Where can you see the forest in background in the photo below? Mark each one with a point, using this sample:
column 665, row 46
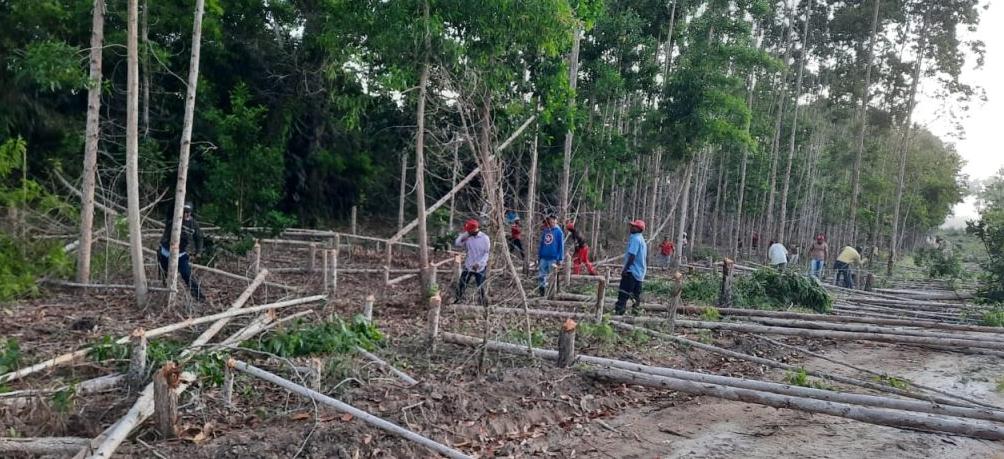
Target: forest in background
column 719, row 119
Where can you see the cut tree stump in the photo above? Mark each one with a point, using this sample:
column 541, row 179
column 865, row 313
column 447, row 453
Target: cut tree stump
column 136, row 376
column 566, row 344
column 165, row 399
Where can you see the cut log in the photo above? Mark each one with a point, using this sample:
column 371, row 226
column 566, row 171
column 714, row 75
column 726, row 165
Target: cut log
column 41, row 446
column 377, row 360
column 872, row 329
column 892, row 418
column 344, row 407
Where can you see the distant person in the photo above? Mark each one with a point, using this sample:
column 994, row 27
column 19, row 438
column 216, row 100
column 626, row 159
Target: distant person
column 817, row 255
column 848, row 256
column 666, row 252
column 580, row 256
column 633, row 274
column 550, row 251
column 516, row 237
column 777, row 255
column 476, row 247
column 793, row 258
column 191, row 235
column 755, row 241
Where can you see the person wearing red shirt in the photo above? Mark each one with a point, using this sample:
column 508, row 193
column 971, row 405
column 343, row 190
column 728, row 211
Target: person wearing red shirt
column 581, row 254
column 516, row 237
column 666, row 251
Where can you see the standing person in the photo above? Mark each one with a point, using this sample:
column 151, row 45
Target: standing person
column 633, row 274
column 848, row 256
column 777, row 255
column 793, row 258
column 190, row 234
column 755, row 241
column 818, row 253
column 516, row 237
column 580, row 256
column 550, row 251
column 476, row 247
column 666, row 252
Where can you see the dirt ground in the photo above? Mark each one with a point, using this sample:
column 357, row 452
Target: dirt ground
column 515, row 407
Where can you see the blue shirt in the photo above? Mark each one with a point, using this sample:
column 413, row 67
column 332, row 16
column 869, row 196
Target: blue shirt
column 637, row 247
column 552, row 244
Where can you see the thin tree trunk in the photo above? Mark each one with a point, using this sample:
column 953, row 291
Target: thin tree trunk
column 145, row 32
column 683, row 215
column 132, row 157
column 531, row 205
column 778, row 117
column 863, row 122
column 186, row 146
column 423, row 235
column 453, row 183
column 904, row 146
column 794, row 127
column 404, row 189
column 93, row 134
column 739, row 233
column 573, row 73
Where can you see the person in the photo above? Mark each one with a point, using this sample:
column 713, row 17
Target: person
column 550, row 251
column 476, row 247
column 777, row 255
column 191, row 238
column 818, row 253
column 666, row 252
column 755, row 241
column 848, row 256
column 633, row 274
column 793, row 258
column 580, row 255
column 516, row 237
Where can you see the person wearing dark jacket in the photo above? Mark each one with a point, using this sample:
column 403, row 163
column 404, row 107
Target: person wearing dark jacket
column 580, row 255
column 191, row 243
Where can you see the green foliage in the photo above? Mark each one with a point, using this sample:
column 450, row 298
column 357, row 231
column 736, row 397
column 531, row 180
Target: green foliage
column 801, row 378
column 993, row 317
column 710, row 313
column 537, row 337
column 331, row 336
column 769, row 288
column 23, row 263
column 990, row 231
column 10, row 355
column 52, row 66
column 892, row 381
column 107, row 349
column 602, row 333
column 64, row 400
column 940, row 263
column 705, row 253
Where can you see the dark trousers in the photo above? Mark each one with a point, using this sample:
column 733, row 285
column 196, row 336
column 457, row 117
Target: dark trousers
column 629, row 288
column 185, row 269
column 516, row 245
column 465, row 278
column 843, row 271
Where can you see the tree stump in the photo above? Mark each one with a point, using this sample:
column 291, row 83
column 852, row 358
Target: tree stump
column 435, row 304
column 869, row 282
column 136, row 377
column 228, row 387
column 566, row 344
column 353, row 225
column 674, row 304
column 368, row 308
column 256, row 268
column 334, row 266
column 725, row 293
column 324, row 268
column 601, row 291
column 165, row 399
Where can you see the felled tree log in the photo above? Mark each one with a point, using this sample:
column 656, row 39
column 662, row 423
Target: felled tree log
column 41, row 446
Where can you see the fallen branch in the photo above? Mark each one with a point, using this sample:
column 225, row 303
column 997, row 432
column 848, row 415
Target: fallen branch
column 338, row 405
column 377, row 360
column 41, row 446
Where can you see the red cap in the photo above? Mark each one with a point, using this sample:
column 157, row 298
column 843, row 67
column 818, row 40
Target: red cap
column 640, row 224
column 569, row 225
column 471, row 225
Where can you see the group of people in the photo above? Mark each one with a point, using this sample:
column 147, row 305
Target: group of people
column 779, row 258
column 550, row 255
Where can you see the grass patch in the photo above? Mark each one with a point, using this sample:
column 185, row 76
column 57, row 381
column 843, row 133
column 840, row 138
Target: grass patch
column 537, row 337
column 892, row 381
column 801, row 378
column 711, row 314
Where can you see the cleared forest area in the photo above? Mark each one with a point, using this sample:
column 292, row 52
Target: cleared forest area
column 490, row 228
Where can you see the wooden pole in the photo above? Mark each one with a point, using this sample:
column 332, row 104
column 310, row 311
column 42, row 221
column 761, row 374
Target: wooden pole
column 334, row 264
column 368, row 307
column 353, row 228
column 136, row 377
column 256, row 268
column 313, row 257
column 325, row 254
column 601, row 291
column 566, row 344
column 725, row 293
column 165, row 399
column 340, row 406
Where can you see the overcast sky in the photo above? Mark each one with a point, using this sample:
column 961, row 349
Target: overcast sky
column 982, row 147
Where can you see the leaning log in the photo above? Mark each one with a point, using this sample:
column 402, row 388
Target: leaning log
column 344, row 407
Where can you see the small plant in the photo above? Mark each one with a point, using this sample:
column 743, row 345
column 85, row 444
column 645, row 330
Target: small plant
column 10, row 355
column 892, row 381
column 331, row 336
column 711, row 314
column 801, row 378
column 705, row 337
column 107, row 349
column 64, row 400
column 602, row 332
column 537, row 337
column 639, row 337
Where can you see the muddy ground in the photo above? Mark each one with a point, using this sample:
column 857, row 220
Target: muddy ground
column 510, row 407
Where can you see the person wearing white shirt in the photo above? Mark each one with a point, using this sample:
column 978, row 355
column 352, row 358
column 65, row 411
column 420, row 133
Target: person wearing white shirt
column 477, row 246
column 777, row 254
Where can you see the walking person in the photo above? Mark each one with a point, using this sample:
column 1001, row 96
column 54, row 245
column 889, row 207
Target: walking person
column 817, row 254
column 777, row 255
column 580, row 255
column 666, row 252
column 476, row 247
column 550, row 251
column 633, row 274
column 516, row 237
column 848, row 256
column 191, row 234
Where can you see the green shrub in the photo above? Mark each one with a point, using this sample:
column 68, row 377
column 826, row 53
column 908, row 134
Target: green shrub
column 10, row 355
column 892, row 381
column 711, row 313
column 771, row 288
column 602, row 332
column 801, row 378
column 333, row 335
column 705, row 253
column 537, row 337
column 23, row 263
column 993, row 317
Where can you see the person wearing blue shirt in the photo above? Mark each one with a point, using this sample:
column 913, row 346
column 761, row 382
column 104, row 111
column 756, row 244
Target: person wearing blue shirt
column 634, row 269
column 551, row 251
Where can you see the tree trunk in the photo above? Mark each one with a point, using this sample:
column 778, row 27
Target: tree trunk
column 145, row 32
column 403, row 191
column 425, row 276
column 186, row 146
column 683, row 215
column 453, row 183
column 93, row 134
column 904, row 146
column 573, row 73
column 739, row 232
column 531, row 203
column 132, row 157
column 778, row 117
column 794, row 128
column 863, row 122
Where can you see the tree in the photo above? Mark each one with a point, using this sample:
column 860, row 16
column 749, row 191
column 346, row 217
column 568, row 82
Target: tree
column 91, row 146
column 132, row 158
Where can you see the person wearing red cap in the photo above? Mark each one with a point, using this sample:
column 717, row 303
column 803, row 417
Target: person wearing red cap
column 477, row 246
column 581, row 254
column 818, row 252
column 633, row 274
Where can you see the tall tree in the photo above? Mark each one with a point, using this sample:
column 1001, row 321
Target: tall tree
column 863, row 120
column 132, row 157
column 93, row 134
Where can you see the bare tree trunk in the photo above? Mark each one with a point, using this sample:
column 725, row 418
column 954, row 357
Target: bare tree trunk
column 404, row 189
column 794, row 126
column 720, row 195
column 683, row 215
column 531, row 205
column 186, row 146
column 654, row 199
column 145, row 32
column 93, row 133
column 863, row 122
column 904, row 146
column 423, row 235
column 573, row 73
column 453, row 183
column 778, row 117
column 132, row 157
column 739, row 233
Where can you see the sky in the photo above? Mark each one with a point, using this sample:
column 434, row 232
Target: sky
column 981, row 147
